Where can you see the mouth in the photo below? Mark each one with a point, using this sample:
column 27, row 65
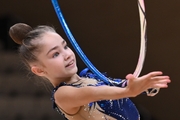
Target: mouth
column 71, row 63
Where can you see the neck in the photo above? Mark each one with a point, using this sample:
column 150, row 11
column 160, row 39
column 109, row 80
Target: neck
column 68, row 80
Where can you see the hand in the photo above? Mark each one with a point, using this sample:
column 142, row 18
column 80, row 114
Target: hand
column 151, row 80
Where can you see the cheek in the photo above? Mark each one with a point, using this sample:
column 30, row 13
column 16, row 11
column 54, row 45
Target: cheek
column 53, row 65
column 56, row 64
column 73, row 54
column 55, row 69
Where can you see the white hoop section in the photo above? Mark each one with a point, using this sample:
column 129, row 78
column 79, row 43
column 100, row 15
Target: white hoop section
column 143, row 46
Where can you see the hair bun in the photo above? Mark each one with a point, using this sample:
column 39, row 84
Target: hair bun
column 18, row 32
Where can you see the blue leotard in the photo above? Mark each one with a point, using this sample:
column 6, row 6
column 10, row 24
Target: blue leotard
column 122, row 109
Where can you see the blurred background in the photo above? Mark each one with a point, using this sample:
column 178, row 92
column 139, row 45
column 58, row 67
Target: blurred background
column 109, row 34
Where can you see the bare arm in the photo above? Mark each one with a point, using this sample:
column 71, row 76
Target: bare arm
column 74, row 97
column 68, row 97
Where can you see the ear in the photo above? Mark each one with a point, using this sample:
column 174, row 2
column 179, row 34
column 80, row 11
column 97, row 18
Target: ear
column 37, row 70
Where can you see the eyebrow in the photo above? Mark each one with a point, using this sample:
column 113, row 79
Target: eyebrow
column 54, row 48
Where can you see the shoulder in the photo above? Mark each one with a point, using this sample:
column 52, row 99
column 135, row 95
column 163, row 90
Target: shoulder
column 63, row 91
column 63, row 98
column 69, row 90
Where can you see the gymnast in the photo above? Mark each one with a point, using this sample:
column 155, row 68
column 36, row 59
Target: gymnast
column 84, row 96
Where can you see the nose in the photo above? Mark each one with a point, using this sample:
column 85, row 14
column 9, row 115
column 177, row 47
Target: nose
column 66, row 55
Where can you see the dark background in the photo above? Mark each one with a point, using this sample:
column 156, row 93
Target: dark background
column 109, row 34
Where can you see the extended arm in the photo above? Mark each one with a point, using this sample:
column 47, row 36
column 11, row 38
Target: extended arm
column 68, row 97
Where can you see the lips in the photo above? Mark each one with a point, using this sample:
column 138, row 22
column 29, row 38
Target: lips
column 70, row 63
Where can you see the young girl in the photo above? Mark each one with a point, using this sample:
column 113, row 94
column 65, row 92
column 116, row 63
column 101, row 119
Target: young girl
column 47, row 55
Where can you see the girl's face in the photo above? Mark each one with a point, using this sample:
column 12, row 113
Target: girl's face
column 58, row 59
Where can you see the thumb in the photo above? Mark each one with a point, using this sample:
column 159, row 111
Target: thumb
column 130, row 77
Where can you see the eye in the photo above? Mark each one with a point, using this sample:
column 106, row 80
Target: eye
column 66, row 47
column 55, row 54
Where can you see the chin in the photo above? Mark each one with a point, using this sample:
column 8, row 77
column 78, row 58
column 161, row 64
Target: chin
column 74, row 70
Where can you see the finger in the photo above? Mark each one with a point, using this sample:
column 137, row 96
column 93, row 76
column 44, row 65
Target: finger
column 130, row 77
column 164, row 81
column 156, row 73
column 159, row 77
column 152, row 74
column 160, row 86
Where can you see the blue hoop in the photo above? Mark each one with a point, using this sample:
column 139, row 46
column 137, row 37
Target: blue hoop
column 74, row 43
